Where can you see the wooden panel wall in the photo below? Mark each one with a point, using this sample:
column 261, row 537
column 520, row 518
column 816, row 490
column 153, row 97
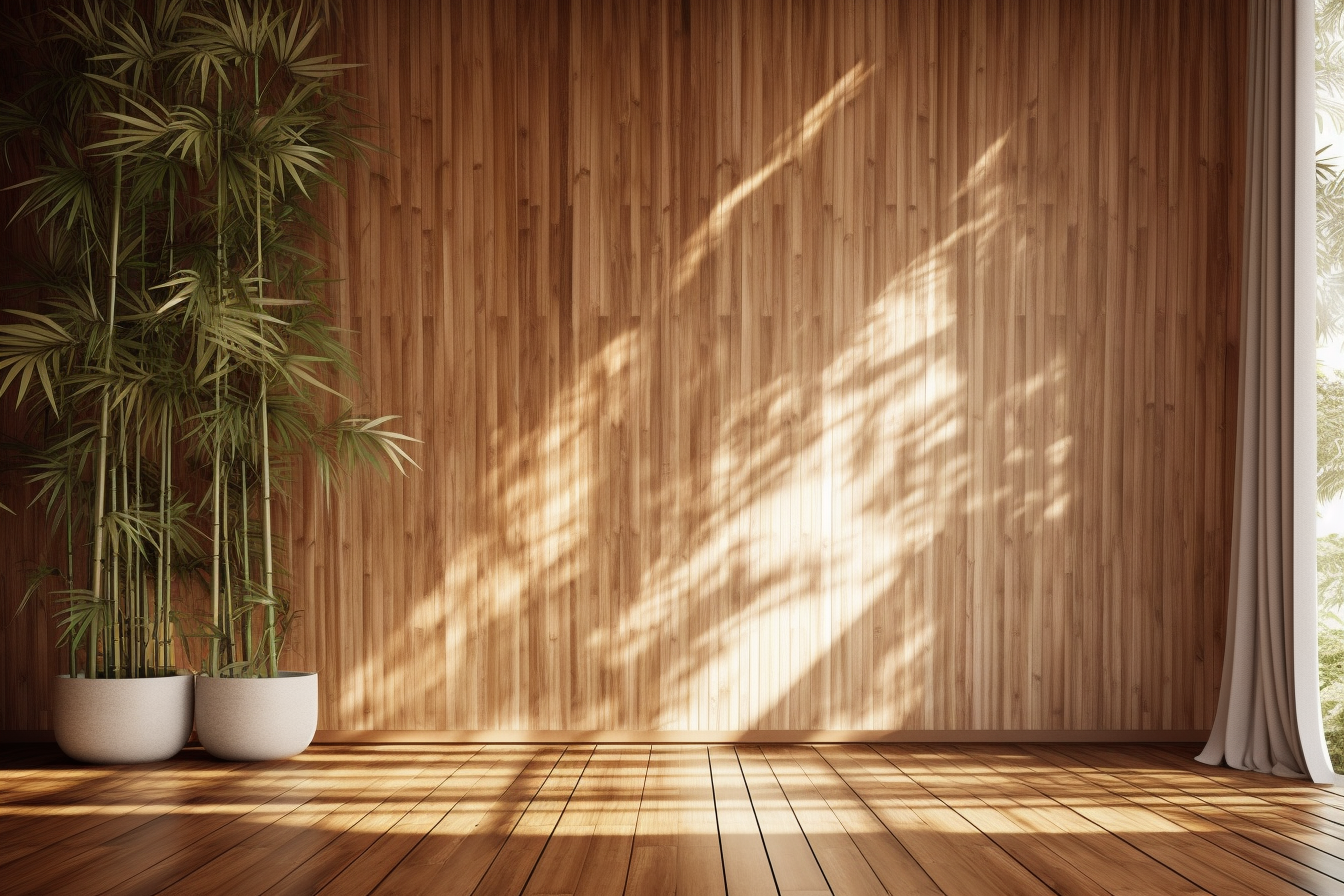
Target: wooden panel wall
column 784, row 365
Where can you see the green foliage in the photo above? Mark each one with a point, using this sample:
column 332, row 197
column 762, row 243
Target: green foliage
column 1330, row 385
column 181, row 345
column 1330, row 642
column 1329, row 183
column 1330, row 579
column 1329, row 435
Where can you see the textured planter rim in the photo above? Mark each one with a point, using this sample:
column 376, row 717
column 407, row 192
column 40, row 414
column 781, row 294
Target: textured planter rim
column 113, row 721
column 256, row 719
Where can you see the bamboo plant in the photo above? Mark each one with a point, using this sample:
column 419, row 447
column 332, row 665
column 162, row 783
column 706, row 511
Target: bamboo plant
column 182, row 358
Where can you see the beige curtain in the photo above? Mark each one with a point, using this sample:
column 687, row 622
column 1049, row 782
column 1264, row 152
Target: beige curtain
column 1267, row 700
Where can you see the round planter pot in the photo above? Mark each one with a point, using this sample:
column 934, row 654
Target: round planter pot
column 255, row 719
column 117, row 720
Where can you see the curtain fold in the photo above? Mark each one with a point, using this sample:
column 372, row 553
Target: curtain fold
column 1262, row 705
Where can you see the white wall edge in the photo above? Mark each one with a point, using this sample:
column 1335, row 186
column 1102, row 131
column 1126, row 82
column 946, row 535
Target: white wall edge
column 1306, row 668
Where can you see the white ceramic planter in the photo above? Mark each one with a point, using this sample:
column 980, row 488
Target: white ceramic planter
column 255, row 719
column 117, row 720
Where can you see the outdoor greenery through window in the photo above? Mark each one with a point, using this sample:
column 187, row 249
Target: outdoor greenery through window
column 1330, row 366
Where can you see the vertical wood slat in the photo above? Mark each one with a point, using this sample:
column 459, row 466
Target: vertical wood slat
column 754, row 397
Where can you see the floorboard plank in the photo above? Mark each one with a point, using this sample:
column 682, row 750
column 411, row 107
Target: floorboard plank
column 273, row 850
column 596, row 830
column 891, row 862
column 58, row 809
column 957, row 856
column 509, row 872
column 1270, row 787
column 746, row 868
column 616, row 811
column 1055, row 847
column 456, row 853
column 349, row 844
column 1302, row 817
column 699, row 852
column 796, row 868
column 1119, row 866
column 1274, row 843
column 150, row 826
column 847, row 871
column 1207, row 863
column 382, row 857
column 653, row 855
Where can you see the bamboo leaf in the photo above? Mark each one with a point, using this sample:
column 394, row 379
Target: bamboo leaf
column 187, row 284
column 32, row 348
column 80, row 611
column 33, row 585
column 59, row 189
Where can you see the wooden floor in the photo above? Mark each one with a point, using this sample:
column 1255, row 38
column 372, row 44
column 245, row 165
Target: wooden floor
column 922, row 819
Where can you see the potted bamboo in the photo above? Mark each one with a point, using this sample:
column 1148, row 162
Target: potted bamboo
column 101, row 380
column 222, row 121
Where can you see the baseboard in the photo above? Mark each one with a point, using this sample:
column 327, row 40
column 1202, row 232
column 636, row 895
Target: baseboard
column 338, row 736
column 350, row 736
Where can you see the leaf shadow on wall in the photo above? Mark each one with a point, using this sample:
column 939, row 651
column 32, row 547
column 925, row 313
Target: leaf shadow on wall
column 750, row 509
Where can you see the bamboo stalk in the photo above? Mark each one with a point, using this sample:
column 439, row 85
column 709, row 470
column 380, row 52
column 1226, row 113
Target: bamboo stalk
column 100, row 486
column 227, row 613
column 246, row 619
column 268, row 562
column 126, row 613
column 139, row 628
column 99, row 506
column 161, row 568
column 167, row 609
column 133, row 590
column 70, row 534
column 115, row 579
column 138, row 617
column 215, row 536
column 268, row 565
column 219, row 295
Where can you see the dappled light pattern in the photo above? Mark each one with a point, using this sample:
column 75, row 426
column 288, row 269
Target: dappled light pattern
column 857, row 367
column 746, row 616
column 788, row 149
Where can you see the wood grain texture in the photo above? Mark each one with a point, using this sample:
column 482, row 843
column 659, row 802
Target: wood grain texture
column 735, row 821
column 801, row 366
